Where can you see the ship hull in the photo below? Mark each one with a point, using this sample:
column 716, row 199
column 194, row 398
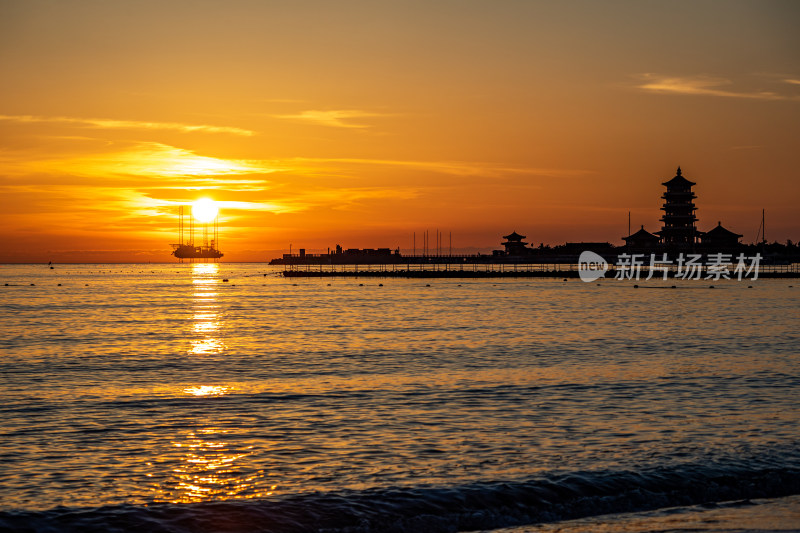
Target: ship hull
column 196, row 252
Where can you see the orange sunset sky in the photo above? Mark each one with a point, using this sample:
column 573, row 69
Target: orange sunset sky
column 358, row 123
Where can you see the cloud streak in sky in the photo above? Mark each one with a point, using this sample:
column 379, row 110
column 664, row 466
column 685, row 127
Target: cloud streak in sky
column 129, row 124
column 337, row 118
column 456, row 168
column 150, row 160
column 705, row 86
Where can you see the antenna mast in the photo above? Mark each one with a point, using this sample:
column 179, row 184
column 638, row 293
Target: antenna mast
column 191, row 230
column 216, row 233
column 180, row 224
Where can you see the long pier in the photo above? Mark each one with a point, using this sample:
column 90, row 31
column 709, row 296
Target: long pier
column 431, row 273
column 513, row 270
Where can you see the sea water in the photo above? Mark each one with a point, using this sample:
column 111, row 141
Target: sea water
column 224, row 397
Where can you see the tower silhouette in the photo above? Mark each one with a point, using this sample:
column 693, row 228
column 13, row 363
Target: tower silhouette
column 679, row 228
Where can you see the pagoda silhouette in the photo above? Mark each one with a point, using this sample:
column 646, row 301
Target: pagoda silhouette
column 514, row 245
column 679, row 231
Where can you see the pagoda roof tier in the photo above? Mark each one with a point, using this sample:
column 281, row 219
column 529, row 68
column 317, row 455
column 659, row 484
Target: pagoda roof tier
column 678, row 194
column 514, row 236
column 719, row 231
column 641, row 235
column 688, row 230
column 678, row 180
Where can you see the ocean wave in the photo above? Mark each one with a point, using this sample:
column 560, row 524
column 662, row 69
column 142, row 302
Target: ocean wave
column 475, row 506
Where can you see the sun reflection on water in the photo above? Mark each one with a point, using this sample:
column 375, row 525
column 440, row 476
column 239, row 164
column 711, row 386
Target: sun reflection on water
column 211, row 466
column 207, row 390
column 205, row 306
column 209, row 463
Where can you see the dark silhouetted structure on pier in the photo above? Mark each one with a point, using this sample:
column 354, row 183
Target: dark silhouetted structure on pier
column 514, row 244
column 679, row 234
column 641, row 241
column 679, row 229
column 340, row 256
column 720, row 239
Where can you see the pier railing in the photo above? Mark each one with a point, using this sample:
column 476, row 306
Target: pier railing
column 529, row 269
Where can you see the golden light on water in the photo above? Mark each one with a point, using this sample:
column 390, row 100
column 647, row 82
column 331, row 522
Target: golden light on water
column 206, row 346
column 454, row 136
column 204, row 273
column 210, row 466
column 205, row 323
column 205, row 310
column 207, row 463
column 207, row 390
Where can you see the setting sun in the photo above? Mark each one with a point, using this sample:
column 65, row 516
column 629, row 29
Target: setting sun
column 205, row 210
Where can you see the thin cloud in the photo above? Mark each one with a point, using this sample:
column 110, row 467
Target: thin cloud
column 792, row 82
column 130, row 124
column 458, row 168
column 337, row 118
column 117, row 204
column 283, row 101
column 746, row 147
column 147, row 176
column 339, row 198
column 152, row 160
column 703, row 85
column 145, row 201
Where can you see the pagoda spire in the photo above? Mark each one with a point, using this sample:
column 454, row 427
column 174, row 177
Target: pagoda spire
column 679, row 170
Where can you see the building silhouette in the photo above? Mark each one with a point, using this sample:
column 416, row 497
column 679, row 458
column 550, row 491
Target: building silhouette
column 514, row 244
column 678, row 235
column 642, row 240
column 720, row 239
column 679, row 230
